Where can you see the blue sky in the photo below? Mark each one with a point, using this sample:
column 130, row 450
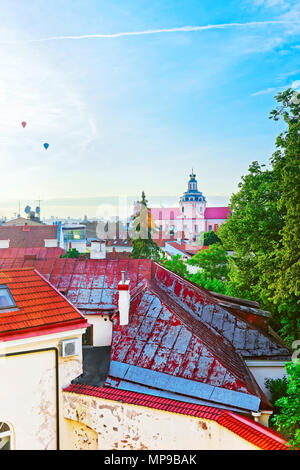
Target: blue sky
column 137, row 112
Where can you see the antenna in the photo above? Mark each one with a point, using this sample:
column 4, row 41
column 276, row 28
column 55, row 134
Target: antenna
column 38, row 209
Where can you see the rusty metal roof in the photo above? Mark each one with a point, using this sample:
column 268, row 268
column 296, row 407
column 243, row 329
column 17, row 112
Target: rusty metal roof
column 92, row 284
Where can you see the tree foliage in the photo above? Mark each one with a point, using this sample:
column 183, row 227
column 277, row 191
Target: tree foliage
column 213, row 261
column 210, row 238
column 177, row 265
column 213, row 272
column 287, row 420
column 73, row 253
column 141, row 234
column 263, row 230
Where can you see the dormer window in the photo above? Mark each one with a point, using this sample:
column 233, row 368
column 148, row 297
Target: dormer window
column 6, row 299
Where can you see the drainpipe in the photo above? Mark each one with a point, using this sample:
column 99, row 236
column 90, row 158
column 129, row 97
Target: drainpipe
column 32, row 351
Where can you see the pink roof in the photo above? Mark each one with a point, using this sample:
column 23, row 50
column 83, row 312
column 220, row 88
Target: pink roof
column 165, row 213
column 216, row 212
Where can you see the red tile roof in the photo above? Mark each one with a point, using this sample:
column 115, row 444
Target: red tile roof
column 34, row 253
column 28, row 236
column 117, row 255
column 41, row 309
column 186, row 248
column 253, row 432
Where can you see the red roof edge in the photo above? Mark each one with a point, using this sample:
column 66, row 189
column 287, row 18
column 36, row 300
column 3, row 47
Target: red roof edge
column 255, row 433
column 43, row 330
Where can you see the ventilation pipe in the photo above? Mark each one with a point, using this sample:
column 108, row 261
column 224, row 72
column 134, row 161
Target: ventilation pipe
column 124, row 300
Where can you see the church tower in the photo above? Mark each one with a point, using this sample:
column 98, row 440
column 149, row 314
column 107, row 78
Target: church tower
column 192, row 208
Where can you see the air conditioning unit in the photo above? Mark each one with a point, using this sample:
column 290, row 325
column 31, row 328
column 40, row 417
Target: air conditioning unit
column 69, row 347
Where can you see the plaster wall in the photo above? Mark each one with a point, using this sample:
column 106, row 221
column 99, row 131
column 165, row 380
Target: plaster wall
column 28, row 390
column 102, row 329
column 122, row 426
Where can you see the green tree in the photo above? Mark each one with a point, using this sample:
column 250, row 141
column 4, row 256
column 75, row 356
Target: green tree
column 210, row 238
column 278, row 389
column 213, row 272
column 263, row 230
column 213, row 261
column 286, row 164
column 287, row 420
column 73, row 253
column 141, row 234
column 176, row 265
column 212, row 284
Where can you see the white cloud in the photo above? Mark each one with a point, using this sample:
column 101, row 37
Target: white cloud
column 264, row 92
column 271, row 3
column 296, row 85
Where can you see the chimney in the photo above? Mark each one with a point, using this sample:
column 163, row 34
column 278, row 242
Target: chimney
column 124, row 300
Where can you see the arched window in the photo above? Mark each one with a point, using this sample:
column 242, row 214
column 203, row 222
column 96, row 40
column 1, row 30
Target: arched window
column 5, row 436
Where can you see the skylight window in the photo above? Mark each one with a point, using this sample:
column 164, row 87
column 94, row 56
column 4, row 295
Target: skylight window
column 6, row 299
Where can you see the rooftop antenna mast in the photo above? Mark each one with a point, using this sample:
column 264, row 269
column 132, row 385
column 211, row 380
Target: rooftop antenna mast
column 38, row 208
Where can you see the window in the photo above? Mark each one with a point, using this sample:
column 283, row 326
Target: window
column 160, row 228
column 6, row 299
column 210, row 228
column 196, row 228
column 182, row 209
column 5, row 436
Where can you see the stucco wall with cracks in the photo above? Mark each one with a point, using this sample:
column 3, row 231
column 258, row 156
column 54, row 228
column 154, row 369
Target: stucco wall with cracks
column 124, row 426
column 28, row 392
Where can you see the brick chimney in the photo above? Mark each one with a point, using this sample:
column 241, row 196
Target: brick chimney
column 124, row 300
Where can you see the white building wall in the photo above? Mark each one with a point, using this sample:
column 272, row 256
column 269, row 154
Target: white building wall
column 79, row 245
column 266, row 370
column 123, row 426
column 28, row 389
column 51, row 243
column 102, row 329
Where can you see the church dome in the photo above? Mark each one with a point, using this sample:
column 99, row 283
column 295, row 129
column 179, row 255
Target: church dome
column 192, row 194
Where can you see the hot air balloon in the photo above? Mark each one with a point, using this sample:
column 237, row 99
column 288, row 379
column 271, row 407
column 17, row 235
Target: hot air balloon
column 23, row 123
column 46, row 146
